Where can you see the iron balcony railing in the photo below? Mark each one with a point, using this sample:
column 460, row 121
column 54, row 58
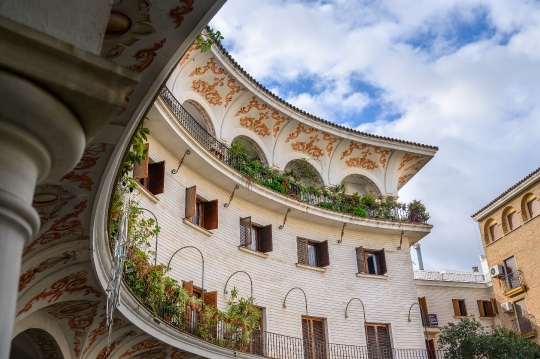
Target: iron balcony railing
column 524, row 324
column 232, row 159
column 513, row 280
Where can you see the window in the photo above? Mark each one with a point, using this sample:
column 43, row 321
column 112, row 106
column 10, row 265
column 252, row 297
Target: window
column 314, row 338
column 512, row 220
column 494, row 231
column 202, row 213
column 522, row 322
column 485, row 308
column 371, row 261
column 512, row 274
column 313, row 254
column 254, row 237
column 149, row 174
column 192, row 315
column 256, row 343
column 533, row 207
column 378, row 341
column 460, row 309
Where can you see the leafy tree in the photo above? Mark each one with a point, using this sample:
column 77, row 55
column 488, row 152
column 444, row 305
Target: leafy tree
column 468, row 339
column 211, row 37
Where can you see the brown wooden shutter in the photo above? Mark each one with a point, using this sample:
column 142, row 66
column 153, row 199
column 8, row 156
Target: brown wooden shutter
column 455, row 304
column 360, row 260
column 382, row 261
column 423, row 305
column 481, row 308
column 141, row 170
column 156, row 177
column 494, row 306
column 191, row 201
column 301, row 244
column 318, row 331
column 188, row 286
column 383, row 339
column 210, row 298
column 245, row 231
column 371, row 337
column 534, row 207
column 265, row 239
column 513, row 221
column 323, row 257
column 210, row 214
column 491, row 312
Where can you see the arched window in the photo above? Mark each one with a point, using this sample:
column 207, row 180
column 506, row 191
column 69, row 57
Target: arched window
column 244, row 144
column 491, row 231
column 510, row 219
column 305, row 173
column 361, row 185
column 530, row 207
column 200, row 115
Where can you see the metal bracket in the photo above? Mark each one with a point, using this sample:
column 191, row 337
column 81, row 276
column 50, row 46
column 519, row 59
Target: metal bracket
column 400, row 241
column 175, row 171
column 342, row 232
column 232, row 196
column 285, row 219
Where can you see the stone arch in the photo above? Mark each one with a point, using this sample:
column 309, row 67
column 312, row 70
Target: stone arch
column 510, row 219
column 301, row 166
column 252, row 146
column 35, row 343
column 372, row 178
column 197, row 111
column 530, row 206
column 362, row 185
column 491, row 231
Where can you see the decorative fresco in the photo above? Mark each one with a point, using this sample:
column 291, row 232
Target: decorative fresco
column 49, row 199
column 256, row 126
column 28, row 276
column 102, row 329
column 177, row 14
column 186, row 56
column 365, row 162
column 108, row 350
column 331, row 141
column 308, row 147
column 88, row 160
column 410, row 164
column 45, row 343
column 149, row 343
column 147, row 56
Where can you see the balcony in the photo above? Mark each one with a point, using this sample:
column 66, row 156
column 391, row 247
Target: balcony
column 256, row 174
column 513, row 284
column 525, row 325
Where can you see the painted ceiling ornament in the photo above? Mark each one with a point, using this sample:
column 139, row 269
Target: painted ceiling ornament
column 208, row 91
column 210, row 65
column 120, row 248
column 45, row 343
column 49, row 199
column 149, row 343
column 309, row 147
column 403, row 179
column 177, row 14
column 408, row 158
column 186, row 56
column 330, row 145
column 28, row 276
column 231, row 83
column 256, row 126
column 383, row 152
column 147, row 56
column 253, row 103
column 362, row 162
column 129, row 21
column 353, row 146
column 278, row 120
column 99, row 331
column 106, row 352
column 301, row 129
column 414, row 166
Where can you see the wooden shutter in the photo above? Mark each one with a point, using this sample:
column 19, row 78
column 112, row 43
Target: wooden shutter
column 141, row 170
column 323, row 257
column 491, row 312
column 382, row 261
column 533, row 207
column 265, row 239
column 191, row 201
column 210, row 298
column 494, row 306
column 245, row 231
column 455, row 304
column 156, row 177
column 481, row 308
column 360, row 260
column 513, row 221
column 188, row 286
column 301, row 245
column 210, row 214
column 383, row 339
column 423, row 305
column 371, row 337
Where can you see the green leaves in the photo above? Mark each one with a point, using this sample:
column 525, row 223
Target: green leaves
column 138, row 149
column 210, row 37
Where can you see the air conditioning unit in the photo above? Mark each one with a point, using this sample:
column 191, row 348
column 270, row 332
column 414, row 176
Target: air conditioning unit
column 497, row 271
column 507, row 307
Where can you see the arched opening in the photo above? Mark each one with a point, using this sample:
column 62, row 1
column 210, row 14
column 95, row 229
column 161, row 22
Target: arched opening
column 200, row 115
column 361, row 185
column 491, row 231
column 244, row 144
column 35, row 344
column 304, row 172
column 510, row 219
column 530, row 207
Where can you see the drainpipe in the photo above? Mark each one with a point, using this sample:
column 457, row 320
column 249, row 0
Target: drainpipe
column 416, row 247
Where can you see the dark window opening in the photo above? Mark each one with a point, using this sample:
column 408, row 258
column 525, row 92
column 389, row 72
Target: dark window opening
column 200, row 212
column 460, row 309
column 255, row 237
column 150, row 174
column 313, row 254
column 370, row 261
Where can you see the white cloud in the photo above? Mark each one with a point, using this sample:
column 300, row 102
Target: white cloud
column 477, row 102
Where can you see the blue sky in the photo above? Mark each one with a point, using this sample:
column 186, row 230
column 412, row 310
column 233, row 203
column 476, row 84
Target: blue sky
column 463, row 75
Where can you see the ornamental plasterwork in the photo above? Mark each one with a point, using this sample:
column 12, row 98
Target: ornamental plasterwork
column 409, row 163
column 330, row 145
column 403, row 179
column 249, row 122
column 208, row 91
column 193, row 47
column 408, row 158
column 300, row 129
column 362, row 162
column 383, row 152
column 256, row 126
column 309, row 147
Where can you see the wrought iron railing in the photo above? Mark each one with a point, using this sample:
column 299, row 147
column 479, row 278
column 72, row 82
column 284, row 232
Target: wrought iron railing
column 449, row 277
column 524, row 324
column 513, row 280
column 227, row 155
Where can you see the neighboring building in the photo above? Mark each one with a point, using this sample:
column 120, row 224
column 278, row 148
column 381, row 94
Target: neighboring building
column 510, row 234
column 447, row 296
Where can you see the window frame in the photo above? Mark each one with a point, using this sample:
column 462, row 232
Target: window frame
column 377, row 266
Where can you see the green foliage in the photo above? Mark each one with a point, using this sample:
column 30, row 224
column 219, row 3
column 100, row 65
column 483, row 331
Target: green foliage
column 210, row 37
column 138, row 149
column 468, row 339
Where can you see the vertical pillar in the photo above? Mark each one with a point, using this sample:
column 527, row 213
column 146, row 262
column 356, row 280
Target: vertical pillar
column 39, row 137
